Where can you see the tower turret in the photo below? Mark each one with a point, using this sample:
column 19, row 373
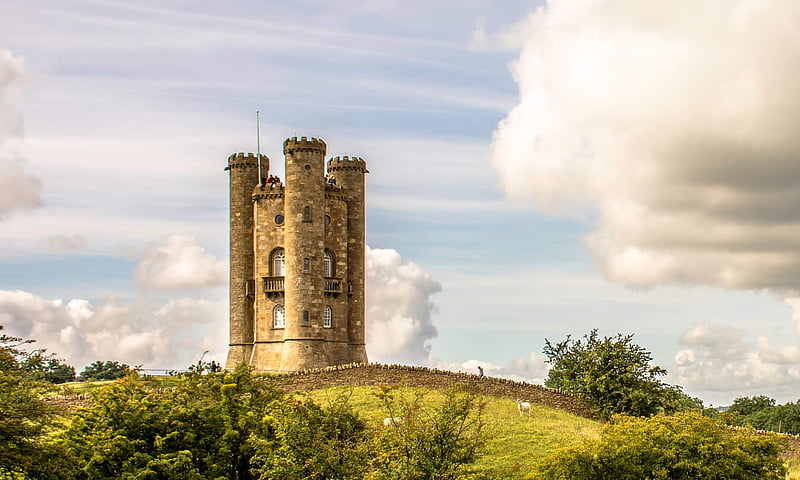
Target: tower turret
column 243, row 170
column 349, row 173
column 304, row 208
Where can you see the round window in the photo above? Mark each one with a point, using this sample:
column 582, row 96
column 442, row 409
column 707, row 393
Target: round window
column 279, row 219
column 327, row 220
column 307, row 166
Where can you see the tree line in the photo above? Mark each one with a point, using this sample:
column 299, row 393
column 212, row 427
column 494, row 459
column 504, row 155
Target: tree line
column 233, row 425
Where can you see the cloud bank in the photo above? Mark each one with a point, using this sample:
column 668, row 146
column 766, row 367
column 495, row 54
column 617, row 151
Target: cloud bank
column 676, row 126
column 171, row 336
column 18, row 189
column 719, row 359
column 399, row 308
column 168, row 333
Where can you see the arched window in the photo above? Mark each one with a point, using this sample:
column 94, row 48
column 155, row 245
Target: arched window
column 278, row 317
column 307, row 214
column 306, row 265
column 327, row 265
column 306, row 319
column 327, row 317
column 278, row 263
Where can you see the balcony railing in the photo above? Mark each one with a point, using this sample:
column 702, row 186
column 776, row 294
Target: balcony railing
column 333, row 285
column 273, row 284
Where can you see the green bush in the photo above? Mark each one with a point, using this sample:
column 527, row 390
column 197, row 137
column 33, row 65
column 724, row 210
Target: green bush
column 429, row 442
column 206, row 428
column 687, row 446
column 26, row 421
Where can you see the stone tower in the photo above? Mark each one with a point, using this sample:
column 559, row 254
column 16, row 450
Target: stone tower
column 297, row 260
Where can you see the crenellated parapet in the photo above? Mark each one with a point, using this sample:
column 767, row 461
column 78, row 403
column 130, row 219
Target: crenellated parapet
column 347, row 163
column 303, row 144
column 246, row 160
column 275, row 193
column 337, row 196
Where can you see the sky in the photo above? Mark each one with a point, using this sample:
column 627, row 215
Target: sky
column 537, row 170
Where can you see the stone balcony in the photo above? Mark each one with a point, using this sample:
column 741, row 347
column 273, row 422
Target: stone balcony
column 333, row 286
column 273, row 284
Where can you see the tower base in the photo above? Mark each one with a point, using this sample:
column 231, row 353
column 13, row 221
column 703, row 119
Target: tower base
column 238, row 354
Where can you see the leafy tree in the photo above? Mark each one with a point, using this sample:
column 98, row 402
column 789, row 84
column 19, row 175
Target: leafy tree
column 613, row 373
column 108, row 370
column 779, row 418
column 34, row 364
column 313, row 442
column 687, row 446
column 750, row 405
column 429, row 442
column 28, row 450
column 47, row 367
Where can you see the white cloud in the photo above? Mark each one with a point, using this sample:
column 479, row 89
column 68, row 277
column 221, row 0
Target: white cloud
column 171, row 336
column 718, row 358
column 721, row 342
column 180, row 262
column 532, row 368
column 676, row 124
column 399, row 308
column 18, row 190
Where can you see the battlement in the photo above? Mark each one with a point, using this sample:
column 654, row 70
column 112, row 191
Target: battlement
column 347, row 163
column 241, row 159
column 304, row 144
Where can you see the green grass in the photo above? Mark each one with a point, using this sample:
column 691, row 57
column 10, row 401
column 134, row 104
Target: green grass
column 513, row 443
column 793, row 467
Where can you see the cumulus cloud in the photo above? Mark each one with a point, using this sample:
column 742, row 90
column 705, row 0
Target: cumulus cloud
column 719, row 359
column 399, row 308
column 179, row 262
column 171, row 336
column 18, row 189
column 677, row 124
column 675, row 127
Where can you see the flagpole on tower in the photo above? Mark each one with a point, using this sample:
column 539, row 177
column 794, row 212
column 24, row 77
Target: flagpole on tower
column 258, row 141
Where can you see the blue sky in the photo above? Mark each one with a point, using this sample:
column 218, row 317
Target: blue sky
column 534, row 174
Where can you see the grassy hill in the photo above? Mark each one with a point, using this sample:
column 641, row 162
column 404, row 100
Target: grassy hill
column 514, row 442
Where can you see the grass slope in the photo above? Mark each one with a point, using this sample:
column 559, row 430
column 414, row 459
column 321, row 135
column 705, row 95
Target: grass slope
column 513, row 444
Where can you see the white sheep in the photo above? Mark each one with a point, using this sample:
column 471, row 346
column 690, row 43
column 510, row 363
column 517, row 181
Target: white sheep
column 523, row 407
column 392, row 421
